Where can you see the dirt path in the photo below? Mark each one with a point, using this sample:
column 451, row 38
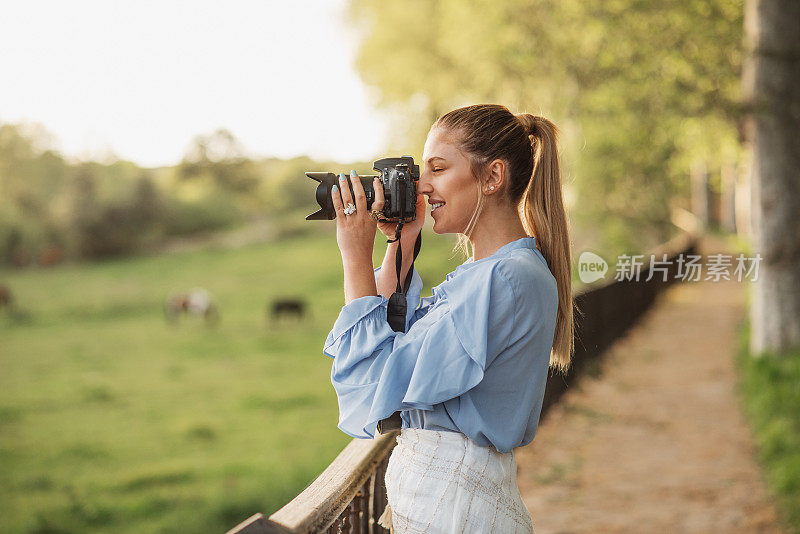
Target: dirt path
column 657, row 442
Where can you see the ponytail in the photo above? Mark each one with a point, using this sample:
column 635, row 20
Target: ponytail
column 543, row 215
column 529, row 146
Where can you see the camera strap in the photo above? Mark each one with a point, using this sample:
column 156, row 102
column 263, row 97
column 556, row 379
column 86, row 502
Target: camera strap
column 397, row 308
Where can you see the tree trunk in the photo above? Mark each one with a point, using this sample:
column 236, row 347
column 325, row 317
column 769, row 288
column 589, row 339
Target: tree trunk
column 727, row 210
column 743, row 198
column 771, row 83
column 701, row 198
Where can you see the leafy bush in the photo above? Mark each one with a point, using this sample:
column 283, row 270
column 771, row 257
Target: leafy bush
column 211, row 212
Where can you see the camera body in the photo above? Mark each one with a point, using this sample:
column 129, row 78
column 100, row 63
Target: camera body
column 399, row 177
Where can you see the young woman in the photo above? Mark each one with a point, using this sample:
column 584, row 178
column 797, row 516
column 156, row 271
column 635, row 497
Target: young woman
column 469, row 373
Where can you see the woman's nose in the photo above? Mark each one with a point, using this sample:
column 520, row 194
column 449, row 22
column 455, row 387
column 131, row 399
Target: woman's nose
column 424, row 186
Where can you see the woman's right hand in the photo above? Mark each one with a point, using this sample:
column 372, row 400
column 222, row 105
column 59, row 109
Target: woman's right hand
column 411, row 228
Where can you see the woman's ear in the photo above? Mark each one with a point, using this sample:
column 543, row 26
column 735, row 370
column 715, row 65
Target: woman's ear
column 496, row 177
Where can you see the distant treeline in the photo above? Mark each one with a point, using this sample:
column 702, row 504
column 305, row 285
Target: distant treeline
column 51, row 209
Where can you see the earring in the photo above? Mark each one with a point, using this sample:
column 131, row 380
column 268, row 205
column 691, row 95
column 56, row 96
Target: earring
column 491, row 188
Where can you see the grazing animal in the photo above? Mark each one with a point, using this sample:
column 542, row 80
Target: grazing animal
column 287, row 307
column 50, row 256
column 6, row 298
column 196, row 302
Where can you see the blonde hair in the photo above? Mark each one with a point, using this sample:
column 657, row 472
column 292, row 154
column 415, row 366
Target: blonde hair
column 529, row 146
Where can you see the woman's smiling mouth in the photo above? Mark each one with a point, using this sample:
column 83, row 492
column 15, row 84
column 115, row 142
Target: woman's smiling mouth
column 436, row 205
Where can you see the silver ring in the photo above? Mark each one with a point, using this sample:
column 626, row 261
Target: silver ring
column 349, row 209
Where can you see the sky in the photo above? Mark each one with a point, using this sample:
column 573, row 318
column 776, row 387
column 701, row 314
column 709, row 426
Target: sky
column 139, row 80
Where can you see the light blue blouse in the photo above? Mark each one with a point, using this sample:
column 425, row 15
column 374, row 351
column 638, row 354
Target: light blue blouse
column 474, row 358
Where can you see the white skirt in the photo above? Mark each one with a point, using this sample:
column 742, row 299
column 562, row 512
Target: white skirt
column 442, row 482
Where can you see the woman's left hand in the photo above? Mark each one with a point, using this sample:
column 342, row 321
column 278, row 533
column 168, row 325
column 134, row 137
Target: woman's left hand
column 355, row 233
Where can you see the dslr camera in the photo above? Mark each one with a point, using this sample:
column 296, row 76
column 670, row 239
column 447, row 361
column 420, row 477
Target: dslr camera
column 398, row 176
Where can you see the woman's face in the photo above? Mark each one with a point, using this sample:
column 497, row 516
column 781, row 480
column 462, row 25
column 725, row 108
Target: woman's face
column 447, row 178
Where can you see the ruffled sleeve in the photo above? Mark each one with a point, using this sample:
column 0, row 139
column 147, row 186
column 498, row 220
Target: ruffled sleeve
column 444, row 353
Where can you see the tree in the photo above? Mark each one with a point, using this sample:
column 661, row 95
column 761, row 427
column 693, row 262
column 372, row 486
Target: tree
column 772, row 87
column 221, row 158
column 32, row 182
column 147, row 205
column 639, row 88
column 84, row 207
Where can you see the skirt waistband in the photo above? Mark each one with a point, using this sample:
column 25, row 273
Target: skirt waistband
column 441, row 436
column 444, row 446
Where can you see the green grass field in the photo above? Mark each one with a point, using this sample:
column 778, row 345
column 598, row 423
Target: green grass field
column 113, row 421
column 770, row 392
